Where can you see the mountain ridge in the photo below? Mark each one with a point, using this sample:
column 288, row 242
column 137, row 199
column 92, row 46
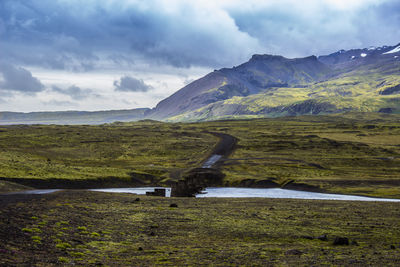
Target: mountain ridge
column 259, row 73
column 346, row 83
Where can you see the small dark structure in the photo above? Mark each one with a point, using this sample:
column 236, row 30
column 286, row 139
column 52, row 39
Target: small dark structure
column 195, row 181
column 159, row 192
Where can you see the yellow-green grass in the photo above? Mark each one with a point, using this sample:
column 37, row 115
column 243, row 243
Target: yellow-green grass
column 90, row 152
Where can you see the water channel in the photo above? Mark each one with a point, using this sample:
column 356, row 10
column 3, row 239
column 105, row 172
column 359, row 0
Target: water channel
column 232, row 192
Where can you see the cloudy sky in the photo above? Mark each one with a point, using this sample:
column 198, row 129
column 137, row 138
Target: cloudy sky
column 123, row 54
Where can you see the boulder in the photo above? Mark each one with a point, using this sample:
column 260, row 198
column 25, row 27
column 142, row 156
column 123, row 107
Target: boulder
column 340, row 241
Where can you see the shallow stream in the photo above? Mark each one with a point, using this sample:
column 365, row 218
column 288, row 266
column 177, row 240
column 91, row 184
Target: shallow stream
column 233, row 192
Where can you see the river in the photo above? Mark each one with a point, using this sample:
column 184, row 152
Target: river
column 232, row 192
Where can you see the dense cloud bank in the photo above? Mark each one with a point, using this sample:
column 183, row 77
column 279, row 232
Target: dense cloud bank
column 77, row 34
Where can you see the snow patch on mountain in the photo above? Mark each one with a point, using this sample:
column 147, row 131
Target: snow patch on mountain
column 394, row 50
column 363, row 55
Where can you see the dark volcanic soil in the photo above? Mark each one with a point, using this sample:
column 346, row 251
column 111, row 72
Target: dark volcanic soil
column 92, row 228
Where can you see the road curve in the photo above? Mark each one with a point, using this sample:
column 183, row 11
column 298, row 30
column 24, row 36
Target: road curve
column 225, row 147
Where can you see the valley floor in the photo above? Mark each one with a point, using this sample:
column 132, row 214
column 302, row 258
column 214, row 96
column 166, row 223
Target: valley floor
column 354, row 153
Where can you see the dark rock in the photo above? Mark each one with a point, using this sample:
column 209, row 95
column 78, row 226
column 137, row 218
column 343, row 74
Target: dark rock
column 152, row 234
column 301, row 186
column 315, row 165
column 392, row 247
column 385, row 110
column 159, row 192
column 294, row 252
column 77, row 241
column 307, row 237
column 391, row 90
column 137, row 199
column 173, row 205
column 267, row 184
column 323, row 237
column 354, row 243
column 339, row 241
column 369, row 127
column 140, row 249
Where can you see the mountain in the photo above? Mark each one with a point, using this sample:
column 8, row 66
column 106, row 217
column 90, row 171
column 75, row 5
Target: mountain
column 362, row 80
column 269, row 86
column 72, row 117
column 260, row 73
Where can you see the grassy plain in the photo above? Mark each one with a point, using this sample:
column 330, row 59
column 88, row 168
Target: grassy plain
column 355, row 153
column 143, row 152
column 103, row 229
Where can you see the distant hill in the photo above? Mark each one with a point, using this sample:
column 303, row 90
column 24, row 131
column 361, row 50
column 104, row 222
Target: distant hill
column 72, row 117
